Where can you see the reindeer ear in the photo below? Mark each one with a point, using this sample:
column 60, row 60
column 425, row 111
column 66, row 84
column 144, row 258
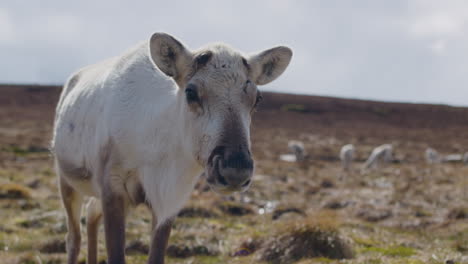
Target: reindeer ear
column 268, row 65
column 169, row 55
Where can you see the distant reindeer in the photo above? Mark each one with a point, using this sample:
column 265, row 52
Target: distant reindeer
column 347, row 156
column 142, row 128
column 465, row 158
column 452, row 158
column 383, row 153
column 297, row 147
column 432, row 156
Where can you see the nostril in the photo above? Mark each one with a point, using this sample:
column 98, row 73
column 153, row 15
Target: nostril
column 246, row 183
column 218, row 151
column 238, row 160
column 222, row 180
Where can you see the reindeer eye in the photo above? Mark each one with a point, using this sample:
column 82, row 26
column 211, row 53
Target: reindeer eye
column 191, row 94
column 203, row 58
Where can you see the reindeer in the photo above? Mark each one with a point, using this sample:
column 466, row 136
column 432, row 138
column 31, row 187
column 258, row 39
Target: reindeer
column 297, row 148
column 382, row 153
column 143, row 127
column 432, row 156
column 347, row 156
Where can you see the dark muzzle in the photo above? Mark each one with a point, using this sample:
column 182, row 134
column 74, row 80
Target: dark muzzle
column 231, row 168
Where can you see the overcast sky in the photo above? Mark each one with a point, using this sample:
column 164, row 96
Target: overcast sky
column 412, row 51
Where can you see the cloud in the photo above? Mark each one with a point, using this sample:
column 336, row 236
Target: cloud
column 6, row 27
column 393, row 50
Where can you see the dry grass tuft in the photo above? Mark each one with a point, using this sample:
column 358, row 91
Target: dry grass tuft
column 14, row 191
column 317, row 236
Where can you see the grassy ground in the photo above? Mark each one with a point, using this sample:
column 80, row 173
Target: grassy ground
column 308, row 212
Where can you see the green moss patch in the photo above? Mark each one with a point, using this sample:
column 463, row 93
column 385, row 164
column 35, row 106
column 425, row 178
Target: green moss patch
column 398, row 251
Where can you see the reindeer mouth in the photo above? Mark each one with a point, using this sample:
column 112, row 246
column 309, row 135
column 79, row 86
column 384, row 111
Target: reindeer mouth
column 213, row 173
column 217, row 181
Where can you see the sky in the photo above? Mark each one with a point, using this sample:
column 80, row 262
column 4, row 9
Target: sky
column 408, row 51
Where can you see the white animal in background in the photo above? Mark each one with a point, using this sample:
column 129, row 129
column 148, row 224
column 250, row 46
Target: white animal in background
column 383, row 153
column 465, row 158
column 347, row 156
column 142, row 128
column 453, row 158
column 432, row 156
column 297, row 147
column 298, row 150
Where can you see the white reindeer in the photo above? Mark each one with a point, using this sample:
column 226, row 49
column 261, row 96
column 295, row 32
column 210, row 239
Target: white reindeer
column 452, row 158
column 380, row 154
column 432, row 156
column 142, row 128
column 347, row 156
column 297, row 147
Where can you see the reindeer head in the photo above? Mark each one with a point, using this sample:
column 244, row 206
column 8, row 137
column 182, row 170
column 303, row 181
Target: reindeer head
column 218, row 94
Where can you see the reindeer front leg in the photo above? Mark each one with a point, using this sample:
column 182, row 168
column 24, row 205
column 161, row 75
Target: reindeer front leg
column 159, row 240
column 113, row 208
